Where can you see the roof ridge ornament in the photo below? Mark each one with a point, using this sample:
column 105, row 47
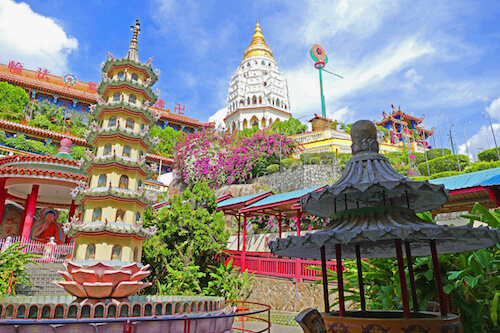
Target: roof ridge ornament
column 132, row 50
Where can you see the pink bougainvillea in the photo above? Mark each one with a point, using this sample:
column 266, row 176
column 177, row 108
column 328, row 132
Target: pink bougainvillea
column 224, row 159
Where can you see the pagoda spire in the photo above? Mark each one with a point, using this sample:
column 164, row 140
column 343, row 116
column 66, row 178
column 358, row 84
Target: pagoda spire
column 258, row 36
column 132, row 50
column 258, row 46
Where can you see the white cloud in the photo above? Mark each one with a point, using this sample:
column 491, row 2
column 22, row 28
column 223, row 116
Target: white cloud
column 358, row 74
column 33, row 39
column 413, row 79
column 218, row 118
column 483, row 139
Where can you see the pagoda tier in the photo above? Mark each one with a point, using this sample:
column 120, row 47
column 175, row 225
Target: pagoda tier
column 114, row 199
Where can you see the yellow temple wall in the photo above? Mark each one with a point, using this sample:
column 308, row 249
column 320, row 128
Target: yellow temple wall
column 110, row 208
column 122, row 118
column 140, row 96
column 135, row 147
column 114, row 74
column 113, row 175
column 104, row 247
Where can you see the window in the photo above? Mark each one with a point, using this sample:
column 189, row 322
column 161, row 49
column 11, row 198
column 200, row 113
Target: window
column 132, row 98
column 107, row 149
column 139, row 184
column 116, row 253
column 121, row 75
column 126, row 151
column 123, row 181
column 137, row 217
column 112, row 121
column 141, row 154
column 135, row 77
column 120, row 213
column 90, row 254
column 116, row 97
column 96, row 216
column 102, row 180
column 130, row 123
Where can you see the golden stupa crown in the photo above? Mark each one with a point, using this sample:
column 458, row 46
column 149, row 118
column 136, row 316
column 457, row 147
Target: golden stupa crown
column 258, row 46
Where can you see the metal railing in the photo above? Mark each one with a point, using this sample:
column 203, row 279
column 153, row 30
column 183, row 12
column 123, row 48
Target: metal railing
column 269, row 265
column 49, row 253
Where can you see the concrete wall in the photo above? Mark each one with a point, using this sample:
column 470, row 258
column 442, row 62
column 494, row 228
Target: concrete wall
column 303, row 176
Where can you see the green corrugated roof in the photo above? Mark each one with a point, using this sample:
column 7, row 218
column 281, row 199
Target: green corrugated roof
column 240, row 200
column 467, row 180
column 277, row 198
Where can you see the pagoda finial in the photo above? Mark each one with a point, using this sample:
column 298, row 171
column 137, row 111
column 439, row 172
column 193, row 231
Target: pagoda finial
column 132, row 50
column 258, row 45
column 258, row 36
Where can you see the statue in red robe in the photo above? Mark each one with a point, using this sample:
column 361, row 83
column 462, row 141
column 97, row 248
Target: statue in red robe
column 48, row 228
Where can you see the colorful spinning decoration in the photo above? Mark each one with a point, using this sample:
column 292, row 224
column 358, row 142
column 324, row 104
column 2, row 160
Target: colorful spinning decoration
column 69, row 79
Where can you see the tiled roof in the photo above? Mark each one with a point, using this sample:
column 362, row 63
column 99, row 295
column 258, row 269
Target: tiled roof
column 488, row 177
column 38, row 158
column 13, row 171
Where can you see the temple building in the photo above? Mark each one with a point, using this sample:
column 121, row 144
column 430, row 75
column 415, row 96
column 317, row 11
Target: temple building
column 114, row 199
column 258, row 92
column 405, row 127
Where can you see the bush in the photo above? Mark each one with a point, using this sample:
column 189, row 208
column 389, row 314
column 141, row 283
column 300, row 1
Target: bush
column 273, row 168
column 316, row 160
column 306, row 158
column 437, row 152
column 447, row 163
column 327, row 156
column 445, row 174
column 488, row 155
column 288, row 163
column 419, row 158
column 419, row 178
column 482, row 166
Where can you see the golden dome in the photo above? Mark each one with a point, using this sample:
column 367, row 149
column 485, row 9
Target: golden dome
column 258, row 46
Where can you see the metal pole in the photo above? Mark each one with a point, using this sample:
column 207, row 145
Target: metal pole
column 425, row 153
column 466, row 144
column 493, row 133
column 438, row 278
column 440, row 135
column 411, row 275
column 452, row 141
column 402, row 279
column 321, row 89
column 360, row 279
column 340, row 280
column 325, row 279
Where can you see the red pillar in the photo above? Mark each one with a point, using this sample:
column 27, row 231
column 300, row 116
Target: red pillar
column 279, row 222
column 243, row 255
column 3, row 196
column 30, row 212
column 72, row 210
column 21, row 225
column 239, row 231
column 299, row 218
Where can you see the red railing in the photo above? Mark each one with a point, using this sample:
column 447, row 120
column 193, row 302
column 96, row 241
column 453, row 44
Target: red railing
column 267, row 264
column 48, row 252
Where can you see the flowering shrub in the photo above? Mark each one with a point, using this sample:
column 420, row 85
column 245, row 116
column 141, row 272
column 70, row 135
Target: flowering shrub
column 223, row 159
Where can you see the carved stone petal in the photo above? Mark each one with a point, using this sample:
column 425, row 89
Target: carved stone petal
column 139, row 276
column 99, row 269
column 98, row 289
column 70, row 266
column 128, row 288
column 84, row 275
column 115, row 277
column 66, row 275
column 132, row 268
column 72, row 287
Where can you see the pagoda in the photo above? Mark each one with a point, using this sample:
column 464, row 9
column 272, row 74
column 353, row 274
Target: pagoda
column 258, row 92
column 113, row 201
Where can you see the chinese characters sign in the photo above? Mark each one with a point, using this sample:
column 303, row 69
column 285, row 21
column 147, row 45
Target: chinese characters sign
column 15, row 67
column 178, row 109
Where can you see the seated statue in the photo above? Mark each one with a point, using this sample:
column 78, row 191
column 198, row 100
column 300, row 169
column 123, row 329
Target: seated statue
column 47, row 228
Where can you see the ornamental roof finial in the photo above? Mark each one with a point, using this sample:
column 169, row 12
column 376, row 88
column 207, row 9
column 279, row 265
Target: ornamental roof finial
column 132, row 50
column 258, row 45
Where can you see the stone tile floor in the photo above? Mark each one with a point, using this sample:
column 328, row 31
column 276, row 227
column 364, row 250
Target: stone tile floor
column 256, row 327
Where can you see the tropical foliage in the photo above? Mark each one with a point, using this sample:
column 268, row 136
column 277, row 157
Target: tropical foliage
column 229, row 282
column 289, row 127
column 12, row 268
column 168, row 139
column 189, row 240
column 488, row 155
column 226, row 159
column 13, row 101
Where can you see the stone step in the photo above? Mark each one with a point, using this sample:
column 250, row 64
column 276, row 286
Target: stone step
column 41, row 278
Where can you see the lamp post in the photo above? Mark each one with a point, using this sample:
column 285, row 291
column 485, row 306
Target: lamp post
column 493, row 133
column 441, row 134
column 453, row 145
column 466, row 143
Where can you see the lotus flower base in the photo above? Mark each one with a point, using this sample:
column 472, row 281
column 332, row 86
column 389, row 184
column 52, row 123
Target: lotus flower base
column 102, row 282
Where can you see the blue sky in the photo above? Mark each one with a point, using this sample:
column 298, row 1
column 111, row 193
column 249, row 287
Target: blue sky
column 429, row 57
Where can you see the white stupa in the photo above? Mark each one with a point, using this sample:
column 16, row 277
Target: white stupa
column 258, row 93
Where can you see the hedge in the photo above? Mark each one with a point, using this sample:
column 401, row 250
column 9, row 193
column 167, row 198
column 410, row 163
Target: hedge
column 437, row 152
column 445, row 174
column 483, row 166
column 447, row 163
column 488, row 155
column 273, row 168
column 420, row 178
column 288, row 163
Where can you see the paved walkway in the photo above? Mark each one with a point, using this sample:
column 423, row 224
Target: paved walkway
column 256, row 327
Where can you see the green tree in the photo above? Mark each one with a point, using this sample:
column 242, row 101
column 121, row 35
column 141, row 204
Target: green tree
column 13, row 100
column 290, row 127
column 12, row 268
column 190, row 237
column 168, row 139
column 488, row 155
